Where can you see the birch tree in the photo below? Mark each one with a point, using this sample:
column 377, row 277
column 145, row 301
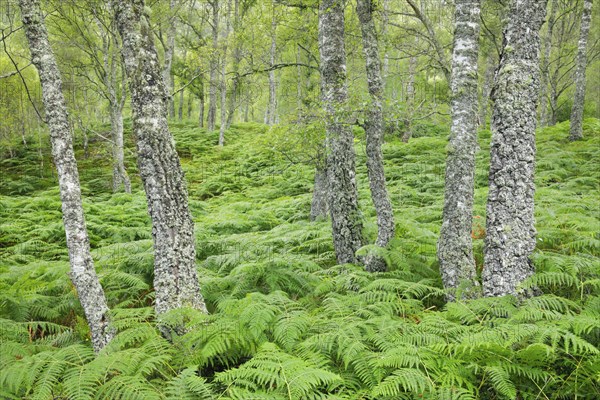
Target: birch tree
column 213, row 81
column 374, row 128
column 341, row 173
column 576, row 131
column 175, row 276
column 510, row 232
column 83, row 275
column 455, row 246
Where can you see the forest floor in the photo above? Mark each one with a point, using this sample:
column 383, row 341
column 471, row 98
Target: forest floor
column 285, row 322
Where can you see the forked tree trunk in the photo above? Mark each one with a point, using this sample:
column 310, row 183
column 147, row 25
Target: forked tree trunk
column 455, row 245
column 374, row 135
column 214, row 69
column 83, row 274
column 341, row 174
column 576, row 132
column 510, row 232
column 175, row 276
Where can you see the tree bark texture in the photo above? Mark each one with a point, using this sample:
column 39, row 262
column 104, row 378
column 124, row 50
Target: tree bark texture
column 318, row 206
column 576, row 131
column 341, row 174
column 271, row 115
column 83, row 275
column 510, row 232
column 545, row 64
column 169, row 51
column 455, row 245
column 175, row 276
column 223, row 106
column 374, row 125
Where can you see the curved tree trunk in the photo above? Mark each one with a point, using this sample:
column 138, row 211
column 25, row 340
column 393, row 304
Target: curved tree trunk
column 510, row 232
column 455, row 246
column 374, row 135
column 175, row 276
column 83, row 275
column 341, row 174
column 577, row 110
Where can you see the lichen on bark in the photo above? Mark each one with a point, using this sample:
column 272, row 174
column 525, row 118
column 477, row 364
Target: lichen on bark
column 510, row 232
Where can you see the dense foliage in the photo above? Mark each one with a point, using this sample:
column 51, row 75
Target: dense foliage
column 285, row 323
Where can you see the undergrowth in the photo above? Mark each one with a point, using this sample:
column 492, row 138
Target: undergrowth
column 285, row 322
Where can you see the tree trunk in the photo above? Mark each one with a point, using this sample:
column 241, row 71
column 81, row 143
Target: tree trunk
column 116, row 127
column 237, row 58
column 271, row 117
column 190, row 105
column 201, row 103
column 83, row 274
column 544, row 69
column 374, row 135
column 169, row 51
column 223, row 106
column 455, row 246
column 214, row 68
column 510, row 232
column 318, row 206
column 341, row 175
column 410, row 99
column 576, row 132
column 175, row 276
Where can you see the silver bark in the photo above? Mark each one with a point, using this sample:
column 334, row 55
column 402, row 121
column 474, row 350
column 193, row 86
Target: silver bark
column 175, row 276
column 213, row 81
column 83, row 275
column 223, row 106
column 576, row 131
column 169, row 51
column 455, row 245
column 374, row 126
column 545, row 64
column 341, row 174
column 510, row 232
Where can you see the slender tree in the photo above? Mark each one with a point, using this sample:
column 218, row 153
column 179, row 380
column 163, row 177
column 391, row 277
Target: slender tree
column 169, row 46
column 455, row 246
column 545, row 63
column 83, row 275
column 223, row 106
column 374, row 135
column 175, row 276
column 213, row 82
column 510, row 232
column 576, row 131
column 341, row 174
